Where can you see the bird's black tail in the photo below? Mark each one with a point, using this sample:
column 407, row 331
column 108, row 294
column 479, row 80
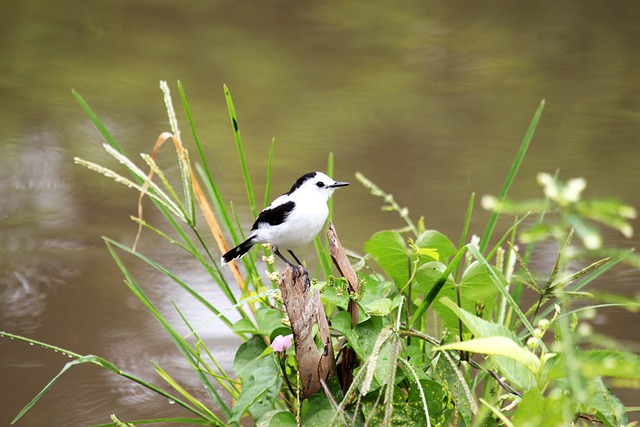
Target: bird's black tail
column 236, row 252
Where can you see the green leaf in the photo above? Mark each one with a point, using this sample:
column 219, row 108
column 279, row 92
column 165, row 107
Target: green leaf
column 437, row 287
column 374, row 288
column 277, row 418
column 435, row 395
column 417, row 356
column 260, row 377
column 445, row 373
column 96, row 121
column 268, row 319
column 317, row 411
column 499, row 282
column 341, row 322
column 381, row 307
column 515, row 372
column 477, row 295
column 247, row 353
column 601, row 363
column 534, row 410
column 259, row 390
column 426, row 276
column 389, row 250
column 606, row 406
column 367, row 334
column 498, row 346
column 407, row 411
column 331, row 295
column 244, row 326
column 432, row 239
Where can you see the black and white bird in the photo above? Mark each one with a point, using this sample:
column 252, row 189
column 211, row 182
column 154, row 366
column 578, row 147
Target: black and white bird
column 292, row 220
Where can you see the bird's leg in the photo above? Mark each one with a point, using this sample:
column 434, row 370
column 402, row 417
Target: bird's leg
column 297, row 269
column 286, row 261
column 306, row 273
column 294, row 256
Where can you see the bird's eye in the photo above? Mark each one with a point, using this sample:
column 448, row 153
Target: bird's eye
column 320, row 184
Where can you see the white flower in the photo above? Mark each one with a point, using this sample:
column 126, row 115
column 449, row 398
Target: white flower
column 273, row 277
column 270, row 260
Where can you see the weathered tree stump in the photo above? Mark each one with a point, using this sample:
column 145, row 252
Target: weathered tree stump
column 339, row 257
column 305, row 310
column 316, row 363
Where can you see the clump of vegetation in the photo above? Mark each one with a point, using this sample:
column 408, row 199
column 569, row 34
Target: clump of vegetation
column 443, row 335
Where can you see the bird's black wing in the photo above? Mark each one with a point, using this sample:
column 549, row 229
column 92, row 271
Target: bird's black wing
column 274, row 215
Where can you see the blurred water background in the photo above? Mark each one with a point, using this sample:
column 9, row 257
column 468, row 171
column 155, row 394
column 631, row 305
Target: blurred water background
column 430, row 100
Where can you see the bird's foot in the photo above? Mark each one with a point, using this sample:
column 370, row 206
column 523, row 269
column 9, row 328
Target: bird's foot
column 299, row 271
column 307, row 281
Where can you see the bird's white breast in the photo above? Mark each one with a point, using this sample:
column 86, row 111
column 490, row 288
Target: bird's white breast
column 301, row 226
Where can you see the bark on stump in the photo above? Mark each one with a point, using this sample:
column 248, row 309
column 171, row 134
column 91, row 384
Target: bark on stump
column 317, row 363
column 339, row 257
column 305, row 309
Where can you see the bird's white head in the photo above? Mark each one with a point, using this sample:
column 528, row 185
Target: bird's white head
column 316, row 183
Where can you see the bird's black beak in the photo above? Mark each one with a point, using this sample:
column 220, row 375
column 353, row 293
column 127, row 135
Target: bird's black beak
column 339, row 184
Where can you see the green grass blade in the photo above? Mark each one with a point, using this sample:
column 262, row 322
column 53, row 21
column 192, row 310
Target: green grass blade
column 180, row 343
column 187, row 187
column 465, row 228
column 211, row 266
column 422, row 308
column 499, row 283
column 504, row 237
column 239, row 146
column 588, row 278
column 183, row 285
column 196, row 140
column 65, row 368
column 324, row 263
column 267, row 190
column 109, row 139
column 4, row 334
column 484, row 242
column 96, row 121
column 221, row 377
column 176, row 386
column 594, row 274
column 80, row 359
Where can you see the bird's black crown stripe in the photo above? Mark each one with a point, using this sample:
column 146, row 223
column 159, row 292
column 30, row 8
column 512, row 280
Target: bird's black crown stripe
column 274, row 216
column 301, row 181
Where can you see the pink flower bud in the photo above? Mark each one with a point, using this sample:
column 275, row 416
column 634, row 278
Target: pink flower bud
column 282, row 342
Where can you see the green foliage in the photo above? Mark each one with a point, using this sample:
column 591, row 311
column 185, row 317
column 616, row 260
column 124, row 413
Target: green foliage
column 564, row 203
column 443, row 336
column 260, row 378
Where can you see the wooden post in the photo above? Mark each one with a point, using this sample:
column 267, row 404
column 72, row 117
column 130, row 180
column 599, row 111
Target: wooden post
column 305, row 310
